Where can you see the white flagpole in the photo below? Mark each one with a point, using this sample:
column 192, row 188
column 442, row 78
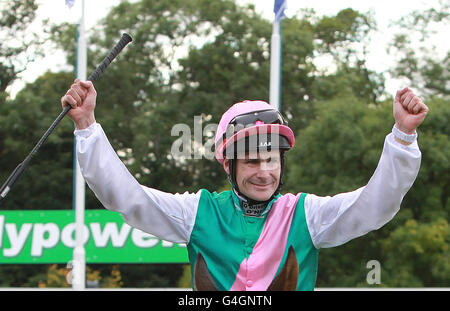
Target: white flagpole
column 275, row 55
column 79, row 254
column 275, row 61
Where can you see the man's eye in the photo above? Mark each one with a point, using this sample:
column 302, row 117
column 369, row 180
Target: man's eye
column 252, row 161
column 272, row 160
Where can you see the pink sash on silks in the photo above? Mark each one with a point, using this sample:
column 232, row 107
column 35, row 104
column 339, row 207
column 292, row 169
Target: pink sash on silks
column 257, row 272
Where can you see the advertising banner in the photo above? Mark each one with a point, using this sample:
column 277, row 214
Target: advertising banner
column 48, row 236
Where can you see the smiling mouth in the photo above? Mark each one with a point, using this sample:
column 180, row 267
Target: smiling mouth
column 261, row 185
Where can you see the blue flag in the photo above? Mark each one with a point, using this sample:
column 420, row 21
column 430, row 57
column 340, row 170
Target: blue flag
column 70, row 3
column 278, row 9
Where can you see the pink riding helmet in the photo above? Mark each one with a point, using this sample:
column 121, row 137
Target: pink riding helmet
column 223, row 140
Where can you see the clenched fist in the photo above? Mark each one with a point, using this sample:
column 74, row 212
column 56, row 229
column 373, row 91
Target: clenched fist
column 81, row 97
column 409, row 111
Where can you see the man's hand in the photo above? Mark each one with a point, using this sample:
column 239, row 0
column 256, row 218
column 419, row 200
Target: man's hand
column 82, row 97
column 409, row 111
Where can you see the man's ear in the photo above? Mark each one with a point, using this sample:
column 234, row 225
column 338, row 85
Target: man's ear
column 226, row 166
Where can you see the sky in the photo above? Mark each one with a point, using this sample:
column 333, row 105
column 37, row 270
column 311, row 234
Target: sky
column 385, row 12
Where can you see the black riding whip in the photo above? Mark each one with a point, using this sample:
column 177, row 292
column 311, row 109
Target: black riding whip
column 18, row 171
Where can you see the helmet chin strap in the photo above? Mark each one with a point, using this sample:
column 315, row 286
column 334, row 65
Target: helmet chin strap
column 253, row 207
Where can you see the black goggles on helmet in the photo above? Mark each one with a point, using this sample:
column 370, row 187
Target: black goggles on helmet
column 269, row 116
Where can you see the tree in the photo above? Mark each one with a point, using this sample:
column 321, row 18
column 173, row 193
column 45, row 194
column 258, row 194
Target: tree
column 15, row 19
column 420, row 253
column 418, row 60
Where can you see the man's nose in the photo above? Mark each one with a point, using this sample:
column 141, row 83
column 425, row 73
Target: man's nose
column 263, row 171
column 267, row 166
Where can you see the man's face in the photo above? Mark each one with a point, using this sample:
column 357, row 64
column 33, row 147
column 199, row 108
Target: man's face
column 257, row 174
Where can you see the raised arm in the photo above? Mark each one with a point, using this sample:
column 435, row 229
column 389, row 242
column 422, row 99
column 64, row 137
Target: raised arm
column 335, row 220
column 168, row 216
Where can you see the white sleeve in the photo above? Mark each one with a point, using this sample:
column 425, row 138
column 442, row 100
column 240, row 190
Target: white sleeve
column 168, row 216
column 334, row 220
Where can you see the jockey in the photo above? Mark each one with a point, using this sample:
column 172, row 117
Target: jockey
column 243, row 237
column 248, row 129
